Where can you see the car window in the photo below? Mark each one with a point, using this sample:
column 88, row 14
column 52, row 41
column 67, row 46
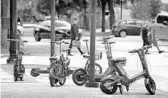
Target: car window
column 45, row 23
column 131, row 22
column 162, row 18
column 138, row 22
column 120, row 23
column 49, row 18
column 59, row 24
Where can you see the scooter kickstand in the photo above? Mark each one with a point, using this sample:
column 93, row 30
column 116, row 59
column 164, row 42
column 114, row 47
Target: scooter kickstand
column 121, row 89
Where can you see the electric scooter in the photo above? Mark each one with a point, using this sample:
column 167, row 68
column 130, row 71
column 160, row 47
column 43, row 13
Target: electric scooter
column 59, row 69
column 109, row 84
column 18, row 69
column 80, row 76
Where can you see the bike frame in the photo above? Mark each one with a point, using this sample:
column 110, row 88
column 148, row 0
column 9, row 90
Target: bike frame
column 144, row 74
column 107, row 47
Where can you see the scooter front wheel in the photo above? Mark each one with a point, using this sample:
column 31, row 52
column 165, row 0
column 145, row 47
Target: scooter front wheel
column 79, row 77
column 52, row 81
column 15, row 72
column 63, row 78
column 108, row 86
column 150, row 85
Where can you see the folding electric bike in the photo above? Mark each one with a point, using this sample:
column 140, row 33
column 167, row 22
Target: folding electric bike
column 80, row 76
column 18, row 69
column 59, row 68
column 98, row 68
column 109, row 84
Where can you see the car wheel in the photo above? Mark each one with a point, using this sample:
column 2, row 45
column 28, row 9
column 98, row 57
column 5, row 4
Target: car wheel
column 37, row 36
column 123, row 33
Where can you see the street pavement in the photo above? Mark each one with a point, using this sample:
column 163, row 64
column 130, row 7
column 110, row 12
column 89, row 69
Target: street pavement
column 34, row 87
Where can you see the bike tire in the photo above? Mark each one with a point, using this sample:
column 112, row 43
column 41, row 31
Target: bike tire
column 150, row 85
column 99, row 71
column 52, row 81
column 21, row 78
column 79, row 77
column 15, row 72
column 63, row 79
column 106, row 90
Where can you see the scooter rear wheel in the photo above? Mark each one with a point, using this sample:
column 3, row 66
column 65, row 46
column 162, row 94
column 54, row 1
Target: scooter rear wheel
column 79, row 77
column 150, row 85
column 108, row 87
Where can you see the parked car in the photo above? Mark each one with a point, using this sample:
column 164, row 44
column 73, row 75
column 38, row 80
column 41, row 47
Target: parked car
column 161, row 26
column 122, row 28
column 43, row 30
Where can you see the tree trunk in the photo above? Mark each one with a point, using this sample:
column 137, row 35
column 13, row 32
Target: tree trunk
column 5, row 8
column 103, row 15
column 112, row 13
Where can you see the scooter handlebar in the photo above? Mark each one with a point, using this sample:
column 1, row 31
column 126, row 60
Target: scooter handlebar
column 144, row 47
column 105, row 38
column 108, row 37
column 108, row 43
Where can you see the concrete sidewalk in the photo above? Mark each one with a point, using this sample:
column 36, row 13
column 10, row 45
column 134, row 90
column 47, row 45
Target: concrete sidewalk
column 158, row 65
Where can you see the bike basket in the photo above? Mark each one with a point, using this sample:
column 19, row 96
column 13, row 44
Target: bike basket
column 98, row 55
column 76, row 43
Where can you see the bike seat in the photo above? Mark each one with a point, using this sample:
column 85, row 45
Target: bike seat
column 123, row 59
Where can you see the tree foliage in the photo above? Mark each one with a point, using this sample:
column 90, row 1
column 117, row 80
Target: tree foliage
column 62, row 6
column 145, row 9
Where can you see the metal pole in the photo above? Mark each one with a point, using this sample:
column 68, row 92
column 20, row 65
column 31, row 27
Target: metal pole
column 52, row 27
column 121, row 8
column 13, row 30
column 91, row 82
